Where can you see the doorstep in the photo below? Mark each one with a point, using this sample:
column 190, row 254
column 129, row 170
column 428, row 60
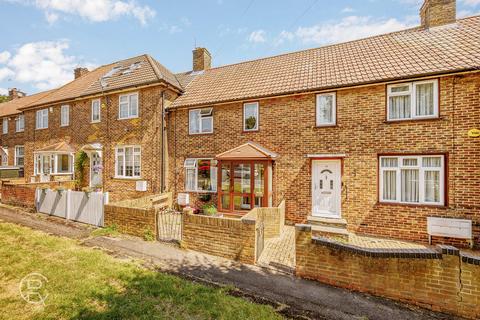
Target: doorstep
column 330, row 222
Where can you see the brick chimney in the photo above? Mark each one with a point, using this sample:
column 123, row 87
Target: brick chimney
column 202, row 60
column 80, row 72
column 438, row 12
column 14, row 93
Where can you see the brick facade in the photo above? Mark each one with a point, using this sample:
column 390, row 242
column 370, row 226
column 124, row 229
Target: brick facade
column 23, row 195
column 287, row 127
column 130, row 220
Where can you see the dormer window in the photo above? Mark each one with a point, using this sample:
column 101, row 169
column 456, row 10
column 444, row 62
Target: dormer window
column 201, row 121
column 413, row 100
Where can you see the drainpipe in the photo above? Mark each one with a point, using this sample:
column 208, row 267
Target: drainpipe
column 162, row 170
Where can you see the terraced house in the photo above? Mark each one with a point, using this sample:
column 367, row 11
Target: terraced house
column 370, row 136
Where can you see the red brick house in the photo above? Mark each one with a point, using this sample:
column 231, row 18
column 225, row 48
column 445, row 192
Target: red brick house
column 370, row 134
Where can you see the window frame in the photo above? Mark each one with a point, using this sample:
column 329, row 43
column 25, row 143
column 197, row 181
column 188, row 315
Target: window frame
column 413, row 92
column 128, row 95
column 15, row 162
column 200, row 122
column 53, row 163
column 17, row 121
column 257, row 116
column 443, row 176
column 45, row 115
column 62, row 110
column 195, row 167
column 92, row 120
column 334, row 109
column 123, row 175
column 5, row 126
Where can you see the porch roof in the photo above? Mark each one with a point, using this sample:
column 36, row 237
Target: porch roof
column 57, row 147
column 250, row 151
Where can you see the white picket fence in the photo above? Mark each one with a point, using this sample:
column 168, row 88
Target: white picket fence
column 72, row 205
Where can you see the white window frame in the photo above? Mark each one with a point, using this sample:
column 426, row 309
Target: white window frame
column 334, row 109
column 122, row 175
column 207, row 115
column 128, row 106
column 421, row 178
column 95, row 103
column 43, row 113
column 412, row 91
column 257, row 116
column 20, row 120
column 5, row 125
column 192, row 163
column 17, row 156
column 53, row 160
column 65, row 119
column 4, row 157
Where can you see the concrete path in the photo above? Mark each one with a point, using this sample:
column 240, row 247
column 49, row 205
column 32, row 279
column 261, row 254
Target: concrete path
column 280, row 252
column 294, row 297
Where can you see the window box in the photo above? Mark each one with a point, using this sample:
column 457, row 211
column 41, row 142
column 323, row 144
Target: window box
column 200, row 121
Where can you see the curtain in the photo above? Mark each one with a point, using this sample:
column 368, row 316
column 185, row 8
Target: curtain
column 400, row 107
column 424, row 97
column 389, row 185
column 325, row 109
column 190, row 179
column 129, row 162
column 432, row 186
column 410, row 185
column 194, row 121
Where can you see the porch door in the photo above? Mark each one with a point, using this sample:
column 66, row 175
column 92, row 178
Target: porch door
column 95, row 169
column 326, row 188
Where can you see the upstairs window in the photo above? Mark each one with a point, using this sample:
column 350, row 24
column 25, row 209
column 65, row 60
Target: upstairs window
column 200, row 175
column 20, row 123
column 65, row 115
column 128, row 162
column 200, row 121
column 5, row 126
column 19, row 156
column 250, row 116
column 42, row 119
column 96, row 110
column 412, row 179
column 326, row 109
column 128, row 106
column 414, row 100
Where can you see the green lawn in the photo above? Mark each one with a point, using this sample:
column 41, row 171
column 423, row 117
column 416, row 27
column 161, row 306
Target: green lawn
column 84, row 283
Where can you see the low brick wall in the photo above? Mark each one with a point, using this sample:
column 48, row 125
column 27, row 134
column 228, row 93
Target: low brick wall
column 23, row 194
column 441, row 279
column 224, row 237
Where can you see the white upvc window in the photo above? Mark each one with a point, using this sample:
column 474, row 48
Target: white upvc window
column 41, row 119
column 413, row 100
column 128, row 162
column 326, row 109
column 4, row 156
column 200, row 175
column 412, row 179
column 53, row 163
column 250, row 116
column 128, row 106
column 96, row 113
column 5, row 126
column 64, row 115
column 19, row 156
column 20, row 123
column 200, row 121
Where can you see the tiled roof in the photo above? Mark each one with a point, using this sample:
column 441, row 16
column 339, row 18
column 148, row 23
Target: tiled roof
column 12, row 107
column 146, row 70
column 398, row 55
column 57, row 147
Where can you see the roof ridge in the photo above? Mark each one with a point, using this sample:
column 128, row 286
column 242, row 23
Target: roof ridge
column 158, row 73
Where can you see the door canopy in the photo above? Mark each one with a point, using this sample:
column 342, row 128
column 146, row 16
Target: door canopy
column 247, row 151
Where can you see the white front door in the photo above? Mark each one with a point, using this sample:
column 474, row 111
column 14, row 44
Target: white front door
column 326, row 188
column 95, row 169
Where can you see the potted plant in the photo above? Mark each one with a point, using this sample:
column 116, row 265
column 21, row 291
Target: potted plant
column 209, row 209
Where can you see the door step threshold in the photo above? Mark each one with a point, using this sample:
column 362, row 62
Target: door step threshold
column 327, row 222
column 330, row 232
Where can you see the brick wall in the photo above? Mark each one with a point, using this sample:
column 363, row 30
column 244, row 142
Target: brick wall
column 133, row 221
column 273, row 220
column 287, row 127
column 442, row 280
column 23, row 194
column 224, row 237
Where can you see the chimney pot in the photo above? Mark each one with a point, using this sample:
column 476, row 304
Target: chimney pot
column 202, row 60
column 78, row 72
column 14, row 93
column 438, row 12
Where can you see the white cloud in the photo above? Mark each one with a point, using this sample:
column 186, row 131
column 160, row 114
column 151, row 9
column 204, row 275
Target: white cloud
column 348, row 10
column 92, row 10
column 3, row 91
column 349, row 28
column 43, row 64
column 257, row 36
column 4, row 56
column 472, row 2
column 5, row 73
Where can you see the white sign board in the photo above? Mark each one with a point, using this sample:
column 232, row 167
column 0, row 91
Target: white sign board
column 183, row 199
column 446, row 227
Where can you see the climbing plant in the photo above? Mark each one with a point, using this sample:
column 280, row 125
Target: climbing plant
column 81, row 160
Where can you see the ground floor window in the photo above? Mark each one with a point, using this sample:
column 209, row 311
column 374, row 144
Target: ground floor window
column 412, row 179
column 200, row 175
column 53, row 163
column 19, row 156
column 128, row 162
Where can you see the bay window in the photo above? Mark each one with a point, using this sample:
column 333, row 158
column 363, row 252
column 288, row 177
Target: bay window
column 200, row 175
column 46, row 163
column 200, row 121
column 128, row 162
column 413, row 100
column 412, row 179
column 326, row 109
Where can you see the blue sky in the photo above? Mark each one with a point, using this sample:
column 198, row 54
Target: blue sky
column 43, row 40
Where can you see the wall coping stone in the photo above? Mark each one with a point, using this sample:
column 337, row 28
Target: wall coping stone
column 303, row 227
column 449, row 250
column 470, row 258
